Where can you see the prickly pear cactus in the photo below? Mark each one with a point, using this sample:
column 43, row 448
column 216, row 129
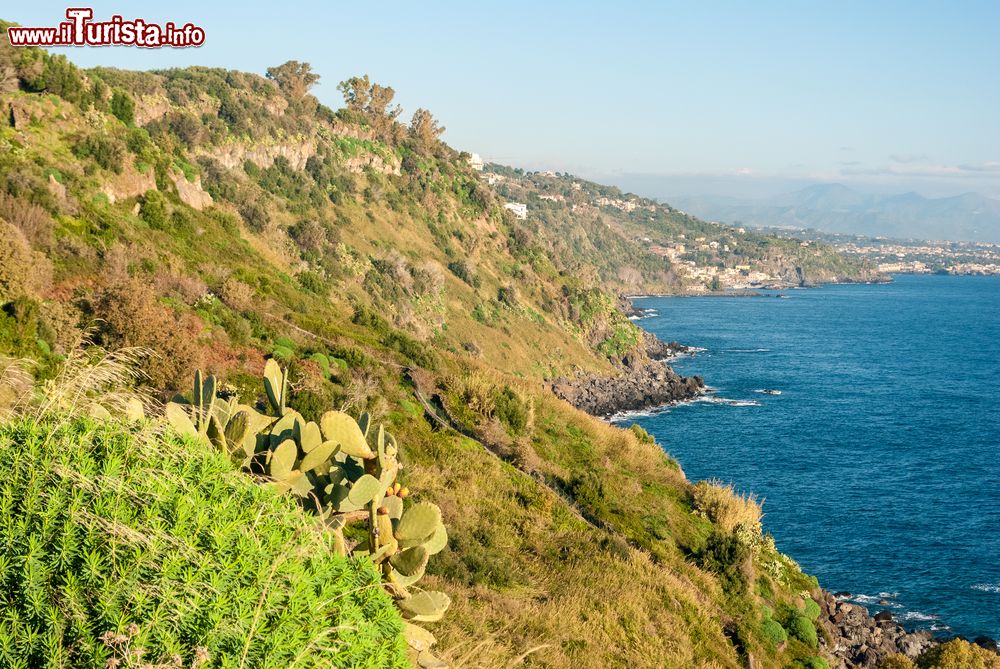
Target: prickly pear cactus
column 343, row 471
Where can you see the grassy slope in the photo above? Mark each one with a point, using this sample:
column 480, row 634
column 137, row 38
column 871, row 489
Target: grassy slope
column 525, row 571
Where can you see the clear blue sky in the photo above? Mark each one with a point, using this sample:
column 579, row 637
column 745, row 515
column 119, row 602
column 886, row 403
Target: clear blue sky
column 891, row 93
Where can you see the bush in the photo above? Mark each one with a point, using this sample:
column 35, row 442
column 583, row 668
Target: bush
column 465, row 271
column 727, row 556
column 117, row 539
column 131, row 316
column 513, row 411
column 801, row 628
column 29, row 218
column 153, row 210
column 122, row 107
column 811, row 609
column 774, row 632
column 23, row 271
column 106, row 151
column 958, row 654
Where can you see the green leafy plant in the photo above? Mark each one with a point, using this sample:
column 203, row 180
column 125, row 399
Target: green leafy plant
column 801, row 628
column 127, row 547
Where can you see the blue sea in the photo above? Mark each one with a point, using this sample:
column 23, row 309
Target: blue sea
column 880, row 459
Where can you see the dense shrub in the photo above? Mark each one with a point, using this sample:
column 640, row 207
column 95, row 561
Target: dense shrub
column 958, row 654
column 811, row 609
column 122, row 107
column 23, row 271
column 105, row 150
column 773, row 631
column 812, row 663
column 727, row 556
column 29, row 218
column 513, row 411
column 465, row 271
column 153, row 210
column 255, row 215
column 130, row 315
column 801, row 628
column 117, row 540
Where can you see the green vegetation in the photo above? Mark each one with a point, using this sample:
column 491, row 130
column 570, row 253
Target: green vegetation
column 383, row 273
column 121, row 544
column 801, row 628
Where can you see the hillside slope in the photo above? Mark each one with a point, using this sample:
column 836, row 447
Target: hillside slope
column 221, row 218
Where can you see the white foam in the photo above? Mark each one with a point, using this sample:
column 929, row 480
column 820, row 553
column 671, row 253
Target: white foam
column 993, row 588
column 875, row 599
column 917, row 616
column 747, row 350
column 713, row 399
column 767, row 391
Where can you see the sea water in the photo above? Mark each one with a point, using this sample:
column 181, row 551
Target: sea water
column 879, row 461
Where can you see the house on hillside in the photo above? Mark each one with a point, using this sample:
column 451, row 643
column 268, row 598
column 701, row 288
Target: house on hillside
column 476, row 161
column 519, row 209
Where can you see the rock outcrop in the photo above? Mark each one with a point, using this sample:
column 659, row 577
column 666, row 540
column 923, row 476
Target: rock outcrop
column 862, row 640
column 130, row 183
column 646, row 385
column 262, row 155
column 190, row 192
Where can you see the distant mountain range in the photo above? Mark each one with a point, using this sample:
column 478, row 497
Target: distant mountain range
column 837, row 208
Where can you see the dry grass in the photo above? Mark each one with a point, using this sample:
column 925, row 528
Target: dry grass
column 16, row 384
column 95, row 382
column 727, row 508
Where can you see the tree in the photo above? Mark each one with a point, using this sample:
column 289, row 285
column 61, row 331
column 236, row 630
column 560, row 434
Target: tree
column 123, row 107
column 425, row 131
column 293, row 78
column 371, row 103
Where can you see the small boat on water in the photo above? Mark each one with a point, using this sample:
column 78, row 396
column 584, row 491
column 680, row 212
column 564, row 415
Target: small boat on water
column 768, row 391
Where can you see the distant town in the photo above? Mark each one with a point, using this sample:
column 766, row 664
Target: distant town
column 909, row 256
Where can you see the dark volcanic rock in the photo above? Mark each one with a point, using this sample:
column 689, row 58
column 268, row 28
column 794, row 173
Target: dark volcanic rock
column 663, row 350
column 860, row 640
column 640, row 386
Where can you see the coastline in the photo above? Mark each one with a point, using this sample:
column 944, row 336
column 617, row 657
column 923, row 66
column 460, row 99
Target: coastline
column 859, row 636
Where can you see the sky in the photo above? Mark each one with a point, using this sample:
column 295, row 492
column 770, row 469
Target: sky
column 739, row 98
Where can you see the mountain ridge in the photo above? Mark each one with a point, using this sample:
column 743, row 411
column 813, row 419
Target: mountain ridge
column 838, row 208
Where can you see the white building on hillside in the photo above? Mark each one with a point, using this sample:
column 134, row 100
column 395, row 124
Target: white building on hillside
column 476, row 161
column 519, row 209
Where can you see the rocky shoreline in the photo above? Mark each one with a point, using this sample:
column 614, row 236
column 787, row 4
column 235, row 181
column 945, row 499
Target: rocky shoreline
column 644, row 382
column 861, row 640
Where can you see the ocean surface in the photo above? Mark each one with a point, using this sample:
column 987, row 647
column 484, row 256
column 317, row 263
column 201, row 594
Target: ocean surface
column 880, row 459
